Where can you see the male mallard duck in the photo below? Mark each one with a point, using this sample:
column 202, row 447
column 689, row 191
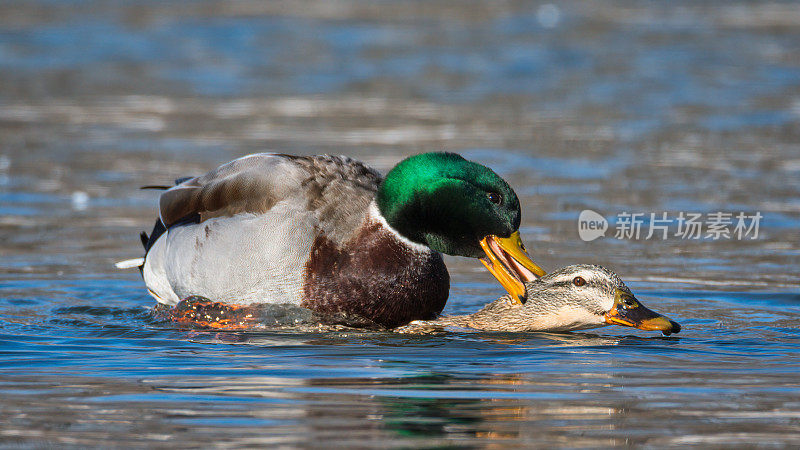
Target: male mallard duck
column 330, row 234
column 575, row 297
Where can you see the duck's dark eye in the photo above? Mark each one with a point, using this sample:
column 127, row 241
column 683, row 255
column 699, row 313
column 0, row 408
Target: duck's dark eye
column 495, row 198
column 578, row 281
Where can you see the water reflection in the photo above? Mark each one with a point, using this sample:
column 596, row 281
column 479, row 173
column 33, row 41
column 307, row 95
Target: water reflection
column 625, row 106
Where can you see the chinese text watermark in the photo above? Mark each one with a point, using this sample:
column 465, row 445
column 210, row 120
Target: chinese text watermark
column 682, row 225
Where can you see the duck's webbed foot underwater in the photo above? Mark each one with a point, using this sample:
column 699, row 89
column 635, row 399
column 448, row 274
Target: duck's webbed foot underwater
column 200, row 312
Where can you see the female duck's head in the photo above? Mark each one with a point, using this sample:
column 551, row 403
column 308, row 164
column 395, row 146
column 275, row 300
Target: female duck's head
column 575, row 297
column 459, row 207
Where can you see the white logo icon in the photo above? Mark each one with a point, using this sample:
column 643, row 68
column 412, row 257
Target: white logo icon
column 591, row 225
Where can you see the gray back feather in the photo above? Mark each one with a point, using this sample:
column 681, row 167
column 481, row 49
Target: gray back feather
column 336, row 190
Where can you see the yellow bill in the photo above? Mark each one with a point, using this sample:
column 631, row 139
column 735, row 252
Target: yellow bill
column 508, row 261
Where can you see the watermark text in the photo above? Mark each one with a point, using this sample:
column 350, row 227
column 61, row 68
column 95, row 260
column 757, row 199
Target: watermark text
column 682, row 225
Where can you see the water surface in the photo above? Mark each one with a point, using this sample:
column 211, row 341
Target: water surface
column 614, row 106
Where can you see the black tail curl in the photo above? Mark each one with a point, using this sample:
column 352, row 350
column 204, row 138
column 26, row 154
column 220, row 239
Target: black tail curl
column 158, row 228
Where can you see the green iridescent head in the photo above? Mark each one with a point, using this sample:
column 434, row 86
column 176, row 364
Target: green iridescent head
column 448, row 203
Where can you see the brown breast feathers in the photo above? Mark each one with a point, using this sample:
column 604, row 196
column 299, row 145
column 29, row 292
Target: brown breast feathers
column 376, row 277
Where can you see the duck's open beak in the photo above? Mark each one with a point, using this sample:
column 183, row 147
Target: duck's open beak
column 508, row 261
column 627, row 311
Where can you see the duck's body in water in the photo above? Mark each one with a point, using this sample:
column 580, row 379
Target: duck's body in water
column 332, row 235
column 577, row 297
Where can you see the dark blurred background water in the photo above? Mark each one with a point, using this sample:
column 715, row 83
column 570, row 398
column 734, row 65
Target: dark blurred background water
column 616, row 106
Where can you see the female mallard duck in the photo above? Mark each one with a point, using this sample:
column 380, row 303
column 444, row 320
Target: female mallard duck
column 329, row 234
column 575, row 297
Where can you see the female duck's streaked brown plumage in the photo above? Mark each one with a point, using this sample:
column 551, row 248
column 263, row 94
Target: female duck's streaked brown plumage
column 576, row 297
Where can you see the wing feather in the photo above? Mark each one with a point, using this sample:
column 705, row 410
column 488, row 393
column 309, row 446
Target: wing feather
column 252, row 184
column 336, row 189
